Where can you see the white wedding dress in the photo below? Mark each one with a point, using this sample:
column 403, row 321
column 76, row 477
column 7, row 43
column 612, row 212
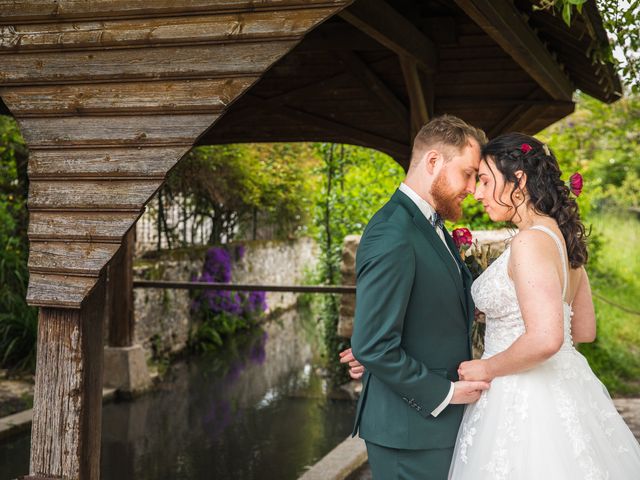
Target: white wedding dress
column 553, row 422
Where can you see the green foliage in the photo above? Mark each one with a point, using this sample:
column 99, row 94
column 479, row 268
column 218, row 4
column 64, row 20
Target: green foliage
column 615, row 355
column 18, row 322
column 620, row 20
column 231, row 185
column 608, row 160
column 355, row 183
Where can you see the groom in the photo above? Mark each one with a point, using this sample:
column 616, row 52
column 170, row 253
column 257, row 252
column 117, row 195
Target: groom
column 414, row 311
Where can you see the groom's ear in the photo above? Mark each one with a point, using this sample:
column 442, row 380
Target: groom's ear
column 431, row 160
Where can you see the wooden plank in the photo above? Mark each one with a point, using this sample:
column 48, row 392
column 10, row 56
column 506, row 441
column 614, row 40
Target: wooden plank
column 354, row 134
column 178, row 96
column 67, row 418
column 189, row 62
column 119, row 301
column 503, row 22
column 249, row 26
column 48, row 290
column 12, row 11
column 382, row 22
column 88, row 226
column 375, row 86
column 70, row 257
column 122, row 195
column 151, row 162
column 136, row 130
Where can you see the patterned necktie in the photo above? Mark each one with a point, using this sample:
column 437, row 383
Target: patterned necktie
column 436, row 221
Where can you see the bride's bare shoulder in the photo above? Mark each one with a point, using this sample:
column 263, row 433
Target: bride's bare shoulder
column 530, row 247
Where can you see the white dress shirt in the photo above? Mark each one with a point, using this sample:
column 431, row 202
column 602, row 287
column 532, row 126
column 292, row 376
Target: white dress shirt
column 428, row 211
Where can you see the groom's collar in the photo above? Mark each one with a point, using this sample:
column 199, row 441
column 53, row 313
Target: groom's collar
column 425, row 207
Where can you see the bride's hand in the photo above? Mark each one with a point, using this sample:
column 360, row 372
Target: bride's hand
column 356, row 370
column 476, row 370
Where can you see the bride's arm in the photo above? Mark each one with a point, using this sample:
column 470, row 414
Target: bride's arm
column 583, row 322
column 539, row 291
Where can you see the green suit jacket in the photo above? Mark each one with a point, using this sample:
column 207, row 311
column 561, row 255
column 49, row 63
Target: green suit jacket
column 411, row 330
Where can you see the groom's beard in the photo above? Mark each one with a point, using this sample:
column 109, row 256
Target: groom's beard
column 445, row 199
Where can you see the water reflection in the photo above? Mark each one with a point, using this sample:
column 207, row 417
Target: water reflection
column 257, row 410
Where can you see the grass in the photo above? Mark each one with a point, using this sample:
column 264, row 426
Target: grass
column 615, row 355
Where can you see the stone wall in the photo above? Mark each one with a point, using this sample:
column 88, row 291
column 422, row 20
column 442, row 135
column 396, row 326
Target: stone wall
column 495, row 239
column 162, row 317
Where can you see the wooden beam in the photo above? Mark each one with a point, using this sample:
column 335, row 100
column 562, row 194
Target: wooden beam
column 119, row 303
column 419, row 109
column 503, row 22
column 357, row 135
column 382, row 22
column 375, row 86
column 67, row 417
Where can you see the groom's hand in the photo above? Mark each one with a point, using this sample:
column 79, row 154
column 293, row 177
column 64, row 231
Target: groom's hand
column 468, row 392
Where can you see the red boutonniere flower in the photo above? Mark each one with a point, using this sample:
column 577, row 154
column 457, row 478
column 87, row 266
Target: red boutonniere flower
column 463, row 239
column 575, row 184
column 525, row 147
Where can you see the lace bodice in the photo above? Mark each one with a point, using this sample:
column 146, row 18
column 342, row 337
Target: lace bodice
column 494, row 294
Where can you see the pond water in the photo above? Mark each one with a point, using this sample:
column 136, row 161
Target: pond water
column 256, row 410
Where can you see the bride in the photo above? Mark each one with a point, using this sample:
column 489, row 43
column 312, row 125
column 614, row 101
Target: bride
column 546, row 415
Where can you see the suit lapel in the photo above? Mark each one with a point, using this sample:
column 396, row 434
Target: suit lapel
column 466, row 274
column 436, row 243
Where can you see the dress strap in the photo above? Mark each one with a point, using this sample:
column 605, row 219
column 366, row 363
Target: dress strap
column 552, row 234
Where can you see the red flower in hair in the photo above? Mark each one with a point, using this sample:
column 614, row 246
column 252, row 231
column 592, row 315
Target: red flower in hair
column 525, row 147
column 575, row 184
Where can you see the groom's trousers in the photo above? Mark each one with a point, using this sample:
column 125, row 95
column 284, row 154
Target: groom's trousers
column 398, row 464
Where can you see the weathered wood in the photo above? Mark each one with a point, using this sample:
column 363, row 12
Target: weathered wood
column 211, row 96
column 106, row 227
column 504, row 23
column 67, row 419
column 382, row 22
column 12, row 11
column 83, row 131
column 269, row 25
column 376, row 87
column 119, row 302
column 189, row 62
column 127, row 195
column 356, row 135
column 148, row 163
column 48, row 290
column 419, row 111
column 70, row 257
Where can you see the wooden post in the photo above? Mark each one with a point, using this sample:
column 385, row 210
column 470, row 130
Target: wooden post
column 120, row 294
column 67, row 419
column 419, row 109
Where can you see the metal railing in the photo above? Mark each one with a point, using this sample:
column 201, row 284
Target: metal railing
column 244, row 287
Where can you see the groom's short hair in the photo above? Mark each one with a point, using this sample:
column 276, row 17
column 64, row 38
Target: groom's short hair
column 446, row 132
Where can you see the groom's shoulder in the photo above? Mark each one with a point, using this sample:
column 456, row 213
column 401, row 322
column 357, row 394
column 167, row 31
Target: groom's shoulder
column 391, row 214
column 389, row 222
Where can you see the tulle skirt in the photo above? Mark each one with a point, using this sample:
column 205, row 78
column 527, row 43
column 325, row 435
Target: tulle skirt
column 554, row 422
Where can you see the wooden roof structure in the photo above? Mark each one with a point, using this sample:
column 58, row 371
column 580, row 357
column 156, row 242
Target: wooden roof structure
column 110, row 94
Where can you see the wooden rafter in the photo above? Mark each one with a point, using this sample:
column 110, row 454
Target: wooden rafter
column 399, row 150
column 382, row 22
column 503, row 22
column 376, row 86
column 419, row 108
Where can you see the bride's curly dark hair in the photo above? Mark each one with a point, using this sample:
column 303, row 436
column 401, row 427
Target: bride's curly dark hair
column 548, row 194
